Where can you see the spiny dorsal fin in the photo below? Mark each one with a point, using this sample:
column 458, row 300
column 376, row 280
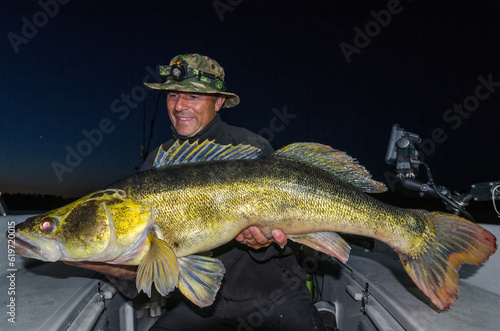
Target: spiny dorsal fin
column 334, row 161
column 205, row 151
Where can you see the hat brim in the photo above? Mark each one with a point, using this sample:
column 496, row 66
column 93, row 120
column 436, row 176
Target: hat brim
column 232, row 99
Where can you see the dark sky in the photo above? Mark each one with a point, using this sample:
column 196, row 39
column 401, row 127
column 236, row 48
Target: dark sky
column 72, row 95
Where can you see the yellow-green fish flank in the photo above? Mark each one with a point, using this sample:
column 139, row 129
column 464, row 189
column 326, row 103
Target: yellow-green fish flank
column 202, row 195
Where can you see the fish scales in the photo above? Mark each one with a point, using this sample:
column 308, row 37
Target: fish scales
column 202, row 195
column 225, row 197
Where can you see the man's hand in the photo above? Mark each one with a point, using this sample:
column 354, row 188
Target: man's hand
column 124, row 272
column 254, row 238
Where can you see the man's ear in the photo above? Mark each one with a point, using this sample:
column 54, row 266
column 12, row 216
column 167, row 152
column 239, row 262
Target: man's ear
column 219, row 101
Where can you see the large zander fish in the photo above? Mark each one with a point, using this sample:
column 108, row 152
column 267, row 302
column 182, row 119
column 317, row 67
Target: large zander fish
column 201, row 196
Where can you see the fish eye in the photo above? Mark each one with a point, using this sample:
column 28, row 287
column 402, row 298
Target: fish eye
column 48, row 224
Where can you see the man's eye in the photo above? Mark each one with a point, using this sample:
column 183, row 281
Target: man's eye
column 171, row 95
column 192, row 96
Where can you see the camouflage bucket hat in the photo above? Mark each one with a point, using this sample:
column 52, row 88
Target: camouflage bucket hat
column 195, row 73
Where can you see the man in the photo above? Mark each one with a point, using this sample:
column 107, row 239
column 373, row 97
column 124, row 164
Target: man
column 263, row 287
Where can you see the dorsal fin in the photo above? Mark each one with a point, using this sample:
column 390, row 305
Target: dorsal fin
column 334, row 161
column 205, row 151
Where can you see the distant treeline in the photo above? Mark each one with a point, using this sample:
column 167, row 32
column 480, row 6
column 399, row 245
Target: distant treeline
column 38, row 202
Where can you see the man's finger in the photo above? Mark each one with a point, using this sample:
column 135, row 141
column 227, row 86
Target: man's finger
column 279, row 237
column 258, row 236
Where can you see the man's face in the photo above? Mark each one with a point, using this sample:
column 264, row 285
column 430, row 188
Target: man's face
column 191, row 112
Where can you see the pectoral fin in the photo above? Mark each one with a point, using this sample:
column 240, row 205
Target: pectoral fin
column 327, row 242
column 200, row 278
column 159, row 265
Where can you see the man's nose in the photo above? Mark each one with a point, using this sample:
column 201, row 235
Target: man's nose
column 180, row 104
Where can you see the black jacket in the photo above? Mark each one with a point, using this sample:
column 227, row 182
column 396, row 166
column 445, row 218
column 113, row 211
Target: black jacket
column 253, row 279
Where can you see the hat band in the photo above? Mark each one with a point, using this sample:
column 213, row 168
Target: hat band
column 179, row 71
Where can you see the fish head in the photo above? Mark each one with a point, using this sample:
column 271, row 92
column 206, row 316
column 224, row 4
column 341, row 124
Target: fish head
column 97, row 227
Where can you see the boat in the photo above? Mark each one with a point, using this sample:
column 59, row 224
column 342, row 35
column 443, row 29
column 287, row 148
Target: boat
column 372, row 291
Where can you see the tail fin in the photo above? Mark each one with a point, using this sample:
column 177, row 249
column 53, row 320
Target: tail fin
column 457, row 241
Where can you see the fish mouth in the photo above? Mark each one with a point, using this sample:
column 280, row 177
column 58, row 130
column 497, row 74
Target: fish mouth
column 31, row 247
